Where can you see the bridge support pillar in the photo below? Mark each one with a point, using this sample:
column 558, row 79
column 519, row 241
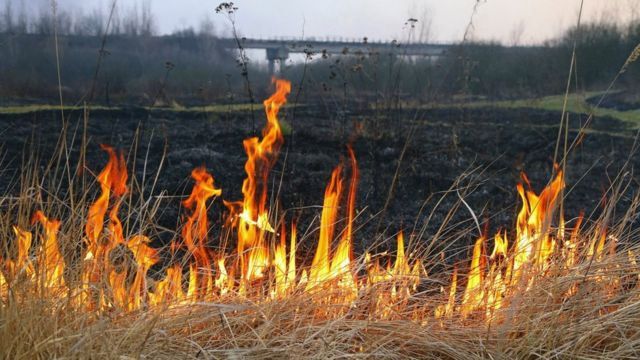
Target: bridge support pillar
column 272, row 66
column 276, row 54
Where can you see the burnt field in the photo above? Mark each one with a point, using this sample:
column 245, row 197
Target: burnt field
column 490, row 146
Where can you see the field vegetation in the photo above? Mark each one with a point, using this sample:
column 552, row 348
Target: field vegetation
column 164, row 197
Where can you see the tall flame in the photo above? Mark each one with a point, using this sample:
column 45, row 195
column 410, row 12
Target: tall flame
column 534, row 244
column 253, row 221
column 115, row 270
column 341, row 262
column 105, row 268
column 50, row 255
column 321, row 265
column 112, row 178
column 473, row 293
column 194, row 232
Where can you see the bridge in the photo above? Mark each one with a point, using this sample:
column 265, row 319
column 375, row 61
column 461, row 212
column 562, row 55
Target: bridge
column 279, row 49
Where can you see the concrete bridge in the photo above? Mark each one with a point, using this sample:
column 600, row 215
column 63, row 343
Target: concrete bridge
column 279, row 49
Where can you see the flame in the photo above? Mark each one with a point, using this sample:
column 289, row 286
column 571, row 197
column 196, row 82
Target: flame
column 145, row 257
column 570, row 249
column 496, row 285
column 22, row 265
column 447, row 309
column 50, row 256
column 169, row 289
column 281, row 268
column 488, row 287
column 401, row 266
column 3, row 283
column 501, row 243
column 321, row 266
column 224, row 281
column 194, row 232
column 473, row 293
column 101, row 270
column 533, row 244
column 112, row 178
column 326, row 267
column 115, row 269
column 341, row 262
column 253, row 221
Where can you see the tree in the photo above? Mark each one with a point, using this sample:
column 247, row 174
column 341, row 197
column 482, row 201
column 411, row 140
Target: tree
column 206, row 27
column 148, row 20
column 22, row 25
column 8, row 17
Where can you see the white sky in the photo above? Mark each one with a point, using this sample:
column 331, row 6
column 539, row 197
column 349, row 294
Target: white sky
column 509, row 21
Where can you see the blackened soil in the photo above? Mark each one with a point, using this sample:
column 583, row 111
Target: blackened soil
column 490, row 146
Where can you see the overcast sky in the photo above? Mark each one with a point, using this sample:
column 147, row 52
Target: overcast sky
column 509, row 21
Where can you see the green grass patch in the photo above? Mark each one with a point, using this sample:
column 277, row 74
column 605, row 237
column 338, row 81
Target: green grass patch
column 576, row 103
column 25, row 109
column 175, row 107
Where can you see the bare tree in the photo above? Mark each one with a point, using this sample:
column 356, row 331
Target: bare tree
column 515, row 36
column 633, row 9
column 148, row 25
column 130, row 22
column 421, row 21
column 207, row 28
column 64, row 23
column 425, row 27
column 116, row 22
column 23, row 22
column 8, row 16
column 89, row 25
column 43, row 24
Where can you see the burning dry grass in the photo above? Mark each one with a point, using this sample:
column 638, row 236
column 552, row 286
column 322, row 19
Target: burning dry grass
column 595, row 323
column 76, row 279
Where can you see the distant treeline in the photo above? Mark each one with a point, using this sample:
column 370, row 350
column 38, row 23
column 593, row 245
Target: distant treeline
column 132, row 69
column 190, row 67
column 135, row 20
column 489, row 69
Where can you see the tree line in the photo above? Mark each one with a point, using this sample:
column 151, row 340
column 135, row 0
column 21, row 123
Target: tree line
column 190, row 67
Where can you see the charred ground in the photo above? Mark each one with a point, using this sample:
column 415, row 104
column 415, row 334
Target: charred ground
column 497, row 144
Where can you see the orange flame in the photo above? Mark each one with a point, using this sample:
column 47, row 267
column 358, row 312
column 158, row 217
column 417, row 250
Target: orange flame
column 321, row 265
column 194, row 233
column 22, row 264
column 473, row 293
column 341, row 262
column 51, row 257
column 325, row 267
column 264, row 268
column 533, row 244
column 112, row 178
column 253, row 222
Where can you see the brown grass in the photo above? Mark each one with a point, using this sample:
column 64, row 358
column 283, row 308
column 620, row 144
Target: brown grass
column 602, row 319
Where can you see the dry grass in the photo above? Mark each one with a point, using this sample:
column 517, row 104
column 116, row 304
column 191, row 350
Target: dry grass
column 601, row 319
column 537, row 324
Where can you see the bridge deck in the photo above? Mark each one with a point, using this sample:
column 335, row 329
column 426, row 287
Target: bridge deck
column 340, row 47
